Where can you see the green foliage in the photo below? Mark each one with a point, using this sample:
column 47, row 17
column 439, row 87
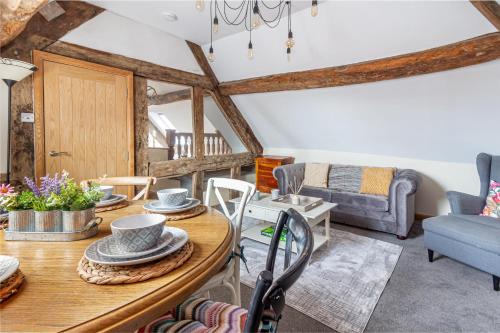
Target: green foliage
column 73, row 197
column 45, row 204
column 22, row 201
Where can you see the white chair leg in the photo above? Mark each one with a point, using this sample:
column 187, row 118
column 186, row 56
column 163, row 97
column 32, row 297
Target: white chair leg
column 234, row 297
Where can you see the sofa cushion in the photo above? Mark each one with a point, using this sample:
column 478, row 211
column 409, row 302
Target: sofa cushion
column 316, row 192
column 316, row 174
column 345, row 178
column 376, row 181
column 473, row 230
column 362, row 201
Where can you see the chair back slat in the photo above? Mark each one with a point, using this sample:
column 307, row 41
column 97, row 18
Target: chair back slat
column 246, row 189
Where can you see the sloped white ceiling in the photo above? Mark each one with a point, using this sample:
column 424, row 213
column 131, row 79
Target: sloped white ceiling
column 347, row 32
column 120, row 35
column 191, row 25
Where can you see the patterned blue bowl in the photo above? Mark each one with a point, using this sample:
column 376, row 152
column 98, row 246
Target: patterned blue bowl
column 172, row 197
column 136, row 233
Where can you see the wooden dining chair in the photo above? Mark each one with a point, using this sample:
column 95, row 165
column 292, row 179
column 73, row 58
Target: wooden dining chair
column 147, row 182
column 229, row 276
column 268, row 297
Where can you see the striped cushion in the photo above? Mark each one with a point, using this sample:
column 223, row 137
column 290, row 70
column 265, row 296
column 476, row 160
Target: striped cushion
column 199, row 315
column 345, row 178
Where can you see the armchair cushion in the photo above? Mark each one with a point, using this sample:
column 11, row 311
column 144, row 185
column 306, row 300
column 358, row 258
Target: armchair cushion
column 492, row 207
column 463, row 203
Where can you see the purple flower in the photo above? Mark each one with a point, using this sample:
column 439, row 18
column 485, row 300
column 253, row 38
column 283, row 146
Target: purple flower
column 33, row 187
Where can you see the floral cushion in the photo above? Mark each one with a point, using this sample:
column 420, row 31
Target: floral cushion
column 492, row 207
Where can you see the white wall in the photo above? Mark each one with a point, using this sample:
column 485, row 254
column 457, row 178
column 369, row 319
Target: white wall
column 3, row 128
column 215, row 116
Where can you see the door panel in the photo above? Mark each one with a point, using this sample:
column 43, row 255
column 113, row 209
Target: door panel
column 86, row 121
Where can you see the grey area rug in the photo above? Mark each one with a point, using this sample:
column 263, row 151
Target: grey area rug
column 343, row 282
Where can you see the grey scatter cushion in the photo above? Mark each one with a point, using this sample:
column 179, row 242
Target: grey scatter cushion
column 345, row 178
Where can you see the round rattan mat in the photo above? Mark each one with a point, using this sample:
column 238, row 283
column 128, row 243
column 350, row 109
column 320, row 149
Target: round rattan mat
column 112, row 207
column 10, row 286
column 200, row 209
column 107, row 274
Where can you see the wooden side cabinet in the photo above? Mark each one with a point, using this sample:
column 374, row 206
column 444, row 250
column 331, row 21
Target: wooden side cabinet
column 264, row 171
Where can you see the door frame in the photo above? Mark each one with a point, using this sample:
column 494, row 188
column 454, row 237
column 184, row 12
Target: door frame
column 38, row 85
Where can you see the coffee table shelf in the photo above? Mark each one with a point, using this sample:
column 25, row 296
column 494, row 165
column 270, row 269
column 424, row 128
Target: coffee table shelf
column 264, row 210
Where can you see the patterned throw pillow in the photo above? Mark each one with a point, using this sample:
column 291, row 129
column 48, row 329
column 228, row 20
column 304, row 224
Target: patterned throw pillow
column 345, row 178
column 492, row 207
column 376, row 181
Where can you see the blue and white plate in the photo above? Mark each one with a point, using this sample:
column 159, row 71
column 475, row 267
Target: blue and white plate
column 108, row 246
column 180, row 237
column 114, row 199
column 155, row 207
column 158, row 205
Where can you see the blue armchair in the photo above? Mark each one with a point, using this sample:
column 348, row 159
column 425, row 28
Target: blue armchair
column 488, row 167
column 464, row 235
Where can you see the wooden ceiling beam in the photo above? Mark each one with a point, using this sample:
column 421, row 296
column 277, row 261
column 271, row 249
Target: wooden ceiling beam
column 138, row 67
column 172, row 97
column 490, row 10
column 465, row 53
column 75, row 14
column 226, row 104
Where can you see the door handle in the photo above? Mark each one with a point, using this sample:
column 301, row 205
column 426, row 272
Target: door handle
column 53, row 153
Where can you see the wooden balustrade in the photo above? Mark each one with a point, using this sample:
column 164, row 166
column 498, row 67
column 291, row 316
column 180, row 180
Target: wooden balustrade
column 180, row 144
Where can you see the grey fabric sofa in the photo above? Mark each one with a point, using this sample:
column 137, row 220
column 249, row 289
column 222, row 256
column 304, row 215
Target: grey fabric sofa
column 464, row 235
column 394, row 214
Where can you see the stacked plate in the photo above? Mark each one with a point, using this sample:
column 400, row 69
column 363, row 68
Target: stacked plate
column 157, row 206
column 8, row 266
column 112, row 200
column 136, row 239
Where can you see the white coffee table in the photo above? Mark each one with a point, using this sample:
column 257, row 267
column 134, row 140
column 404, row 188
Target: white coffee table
column 263, row 210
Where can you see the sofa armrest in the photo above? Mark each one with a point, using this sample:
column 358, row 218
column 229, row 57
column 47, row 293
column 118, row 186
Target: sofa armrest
column 466, row 204
column 402, row 199
column 286, row 173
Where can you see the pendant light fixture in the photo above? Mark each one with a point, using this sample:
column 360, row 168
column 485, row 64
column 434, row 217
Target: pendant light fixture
column 251, row 14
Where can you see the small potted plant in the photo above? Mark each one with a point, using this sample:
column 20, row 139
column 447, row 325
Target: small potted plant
column 20, row 208
column 78, row 205
column 295, row 188
column 46, row 203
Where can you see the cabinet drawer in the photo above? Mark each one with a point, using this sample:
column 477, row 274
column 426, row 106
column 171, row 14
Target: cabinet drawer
column 256, row 213
column 266, row 169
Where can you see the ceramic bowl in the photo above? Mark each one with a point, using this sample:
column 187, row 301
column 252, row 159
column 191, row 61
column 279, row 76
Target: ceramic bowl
column 107, row 190
column 172, row 197
column 135, row 233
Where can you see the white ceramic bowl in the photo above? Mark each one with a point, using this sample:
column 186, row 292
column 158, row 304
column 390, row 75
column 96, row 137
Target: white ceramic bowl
column 140, row 232
column 172, row 197
column 107, row 190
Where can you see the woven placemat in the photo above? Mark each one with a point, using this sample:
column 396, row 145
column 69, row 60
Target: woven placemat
column 107, row 274
column 200, row 209
column 10, row 286
column 112, row 207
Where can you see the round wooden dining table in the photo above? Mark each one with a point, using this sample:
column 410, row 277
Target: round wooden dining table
column 54, row 298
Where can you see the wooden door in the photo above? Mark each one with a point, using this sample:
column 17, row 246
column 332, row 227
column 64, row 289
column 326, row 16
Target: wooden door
column 84, row 118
